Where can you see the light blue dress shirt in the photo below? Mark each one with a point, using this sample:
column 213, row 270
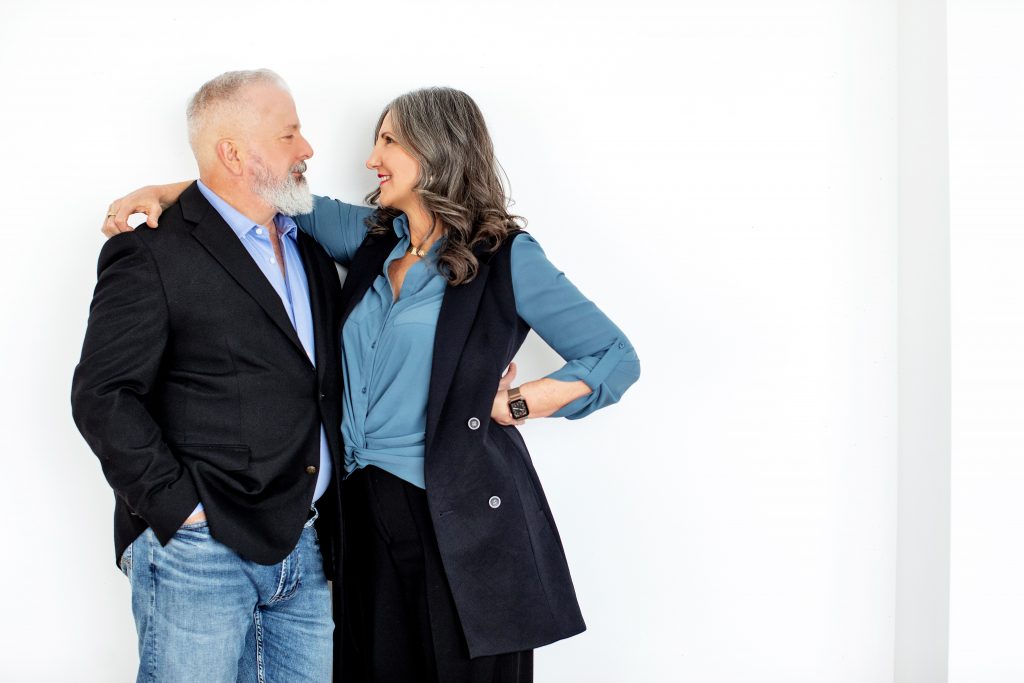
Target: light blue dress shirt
column 292, row 287
column 387, row 345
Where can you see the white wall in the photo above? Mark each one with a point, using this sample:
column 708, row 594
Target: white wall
column 719, row 177
column 922, row 569
column 987, row 210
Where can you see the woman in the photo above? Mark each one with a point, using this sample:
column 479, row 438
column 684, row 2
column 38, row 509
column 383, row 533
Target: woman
column 454, row 568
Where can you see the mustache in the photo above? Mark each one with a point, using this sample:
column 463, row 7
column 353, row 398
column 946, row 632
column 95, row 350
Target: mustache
column 299, row 167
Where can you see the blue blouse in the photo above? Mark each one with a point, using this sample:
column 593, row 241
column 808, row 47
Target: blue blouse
column 387, row 345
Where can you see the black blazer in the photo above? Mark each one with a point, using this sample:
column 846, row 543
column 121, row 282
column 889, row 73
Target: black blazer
column 193, row 385
column 505, row 563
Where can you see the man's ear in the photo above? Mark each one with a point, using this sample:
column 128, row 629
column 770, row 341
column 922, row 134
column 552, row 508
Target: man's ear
column 228, row 155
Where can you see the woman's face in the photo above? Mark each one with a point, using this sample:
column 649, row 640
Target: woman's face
column 397, row 170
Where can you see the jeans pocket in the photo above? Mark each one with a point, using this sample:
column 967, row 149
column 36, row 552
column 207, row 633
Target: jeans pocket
column 126, row 561
column 201, row 528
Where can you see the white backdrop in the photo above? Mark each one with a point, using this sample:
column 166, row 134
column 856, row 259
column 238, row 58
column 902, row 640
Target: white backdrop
column 719, row 177
column 987, row 210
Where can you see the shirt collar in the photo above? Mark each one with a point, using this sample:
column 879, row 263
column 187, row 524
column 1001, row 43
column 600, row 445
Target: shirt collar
column 238, row 222
column 401, row 227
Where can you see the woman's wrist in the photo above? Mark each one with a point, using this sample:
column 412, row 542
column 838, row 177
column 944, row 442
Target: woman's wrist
column 168, row 194
column 518, row 406
column 500, row 410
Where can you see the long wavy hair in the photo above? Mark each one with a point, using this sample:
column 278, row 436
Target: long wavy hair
column 460, row 180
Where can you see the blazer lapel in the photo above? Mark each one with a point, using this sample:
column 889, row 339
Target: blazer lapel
column 319, row 306
column 214, row 234
column 458, row 312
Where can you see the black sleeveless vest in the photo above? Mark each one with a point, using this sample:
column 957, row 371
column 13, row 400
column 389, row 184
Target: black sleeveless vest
column 498, row 541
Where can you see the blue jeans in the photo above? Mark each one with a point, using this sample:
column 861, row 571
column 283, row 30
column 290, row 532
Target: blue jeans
column 205, row 614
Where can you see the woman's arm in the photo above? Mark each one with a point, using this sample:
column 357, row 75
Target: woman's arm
column 337, row 226
column 150, row 200
column 543, row 396
column 601, row 362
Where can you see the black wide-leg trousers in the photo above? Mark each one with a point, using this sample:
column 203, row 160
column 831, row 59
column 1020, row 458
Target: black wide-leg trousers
column 400, row 621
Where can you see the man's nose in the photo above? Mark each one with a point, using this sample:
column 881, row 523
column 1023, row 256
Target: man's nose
column 307, row 152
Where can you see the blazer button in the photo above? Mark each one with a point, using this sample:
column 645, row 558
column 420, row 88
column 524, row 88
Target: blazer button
column 311, row 469
column 473, row 423
column 323, row 396
column 494, row 502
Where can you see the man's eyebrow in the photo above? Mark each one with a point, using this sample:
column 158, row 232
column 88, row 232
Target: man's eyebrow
column 292, row 126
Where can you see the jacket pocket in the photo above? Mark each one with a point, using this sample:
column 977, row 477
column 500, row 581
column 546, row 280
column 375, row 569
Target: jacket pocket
column 221, row 456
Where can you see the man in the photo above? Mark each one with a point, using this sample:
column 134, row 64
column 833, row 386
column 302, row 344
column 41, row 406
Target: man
column 208, row 387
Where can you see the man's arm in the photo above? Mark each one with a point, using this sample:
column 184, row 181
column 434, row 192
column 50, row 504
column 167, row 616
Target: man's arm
column 124, row 343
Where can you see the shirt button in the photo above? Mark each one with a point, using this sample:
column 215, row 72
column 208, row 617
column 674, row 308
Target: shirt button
column 363, row 390
column 494, row 502
column 622, row 345
column 273, row 260
column 373, row 345
column 473, row 423
column 311, row 469
column 259, row 231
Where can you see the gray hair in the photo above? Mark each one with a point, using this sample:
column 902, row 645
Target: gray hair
column 460, row 181
column 224, row 91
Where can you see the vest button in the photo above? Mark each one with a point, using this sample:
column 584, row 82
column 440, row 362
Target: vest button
column 494, row 502
column 473, row 424
column 311, row 469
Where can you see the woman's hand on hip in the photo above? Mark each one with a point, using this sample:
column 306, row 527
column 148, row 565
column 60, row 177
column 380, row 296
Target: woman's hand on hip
column 499, row 409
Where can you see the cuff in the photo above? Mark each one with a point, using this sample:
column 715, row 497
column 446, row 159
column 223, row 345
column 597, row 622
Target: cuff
column 167, row 508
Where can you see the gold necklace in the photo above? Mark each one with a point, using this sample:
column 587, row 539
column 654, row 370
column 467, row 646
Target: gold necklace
column 420, row 251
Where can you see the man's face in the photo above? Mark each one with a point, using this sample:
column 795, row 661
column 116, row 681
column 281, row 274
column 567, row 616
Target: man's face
column 276, row 152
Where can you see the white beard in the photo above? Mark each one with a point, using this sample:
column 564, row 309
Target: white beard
column 287, row 195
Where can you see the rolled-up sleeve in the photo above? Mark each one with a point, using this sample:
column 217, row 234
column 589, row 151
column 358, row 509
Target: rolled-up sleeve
column 595, row 350
column 338, row 227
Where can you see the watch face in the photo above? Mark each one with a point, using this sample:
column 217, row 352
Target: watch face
column 518, row 408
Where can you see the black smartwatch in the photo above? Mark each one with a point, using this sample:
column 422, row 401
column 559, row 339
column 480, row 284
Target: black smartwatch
column 517, row 405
